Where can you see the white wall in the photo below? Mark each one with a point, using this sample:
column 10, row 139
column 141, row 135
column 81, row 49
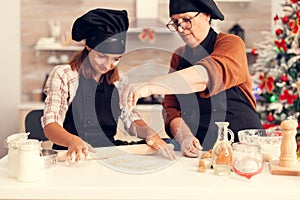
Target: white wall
column 10, row 61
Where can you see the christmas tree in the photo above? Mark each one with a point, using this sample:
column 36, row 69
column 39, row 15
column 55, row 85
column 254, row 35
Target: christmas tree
column 276, row 70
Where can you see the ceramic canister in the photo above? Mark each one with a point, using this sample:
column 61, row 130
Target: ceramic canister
column 29, row 161
column 12, row 143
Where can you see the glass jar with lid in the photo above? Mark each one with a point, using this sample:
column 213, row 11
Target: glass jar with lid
column 247, row 159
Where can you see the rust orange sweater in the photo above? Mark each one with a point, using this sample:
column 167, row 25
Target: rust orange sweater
column 226, row 66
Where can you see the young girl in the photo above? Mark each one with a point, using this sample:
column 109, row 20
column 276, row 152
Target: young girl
column 82, row 103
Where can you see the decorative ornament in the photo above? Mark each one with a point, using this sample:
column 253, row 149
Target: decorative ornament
column 270, row 117
column 281, row 45
column 298, row 15
column 293, row 24
column 284, row 78
column 290, row 98
column 254, row 52
column 285, row 19
column 276, row 18
column 279, row 31
column 266, row 83
column 147, row 34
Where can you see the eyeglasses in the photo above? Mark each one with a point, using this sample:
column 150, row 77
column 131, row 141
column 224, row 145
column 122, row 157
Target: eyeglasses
column 186, row 24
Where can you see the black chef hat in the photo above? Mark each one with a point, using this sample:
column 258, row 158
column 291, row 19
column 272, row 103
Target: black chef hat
column 103, row 29
column 206, row 6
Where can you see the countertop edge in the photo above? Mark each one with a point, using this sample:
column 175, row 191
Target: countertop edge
column 41, row 105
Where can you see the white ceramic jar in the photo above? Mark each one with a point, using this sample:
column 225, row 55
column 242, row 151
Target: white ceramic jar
column 12, row 143
column 29, row 161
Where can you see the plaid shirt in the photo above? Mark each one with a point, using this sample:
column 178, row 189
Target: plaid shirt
column 61, row 89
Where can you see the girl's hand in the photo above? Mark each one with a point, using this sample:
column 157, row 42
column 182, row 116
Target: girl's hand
column 78, row 150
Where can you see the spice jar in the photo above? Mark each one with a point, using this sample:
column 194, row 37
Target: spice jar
column 29, row 161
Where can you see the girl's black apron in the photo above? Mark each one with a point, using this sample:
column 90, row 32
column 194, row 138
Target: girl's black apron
column 93, row 114
column 231, row 105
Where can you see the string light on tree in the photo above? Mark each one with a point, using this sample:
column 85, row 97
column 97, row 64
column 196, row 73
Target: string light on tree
column 273, row 98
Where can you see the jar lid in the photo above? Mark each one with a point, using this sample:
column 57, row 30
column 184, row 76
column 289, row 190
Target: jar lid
column 15, row 139
column 30, row 144
column 246, row 146
column 15, row 144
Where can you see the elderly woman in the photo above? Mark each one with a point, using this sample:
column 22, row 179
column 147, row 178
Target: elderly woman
column 82, row 104
column 209, row 75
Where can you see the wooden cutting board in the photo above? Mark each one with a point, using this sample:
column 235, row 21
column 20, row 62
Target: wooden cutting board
column 278, row 170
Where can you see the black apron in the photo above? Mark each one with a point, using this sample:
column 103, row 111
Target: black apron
column 93, row 114
column 231, row 105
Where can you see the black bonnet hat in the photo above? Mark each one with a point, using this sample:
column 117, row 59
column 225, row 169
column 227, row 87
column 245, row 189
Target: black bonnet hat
column 103, row 29
column 206, row 6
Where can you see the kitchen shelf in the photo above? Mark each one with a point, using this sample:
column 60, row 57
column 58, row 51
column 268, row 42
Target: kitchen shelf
column 156, row 29
column 58, row 48
column 137, row 26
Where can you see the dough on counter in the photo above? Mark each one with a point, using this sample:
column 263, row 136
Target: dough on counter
column 132, row 163
column 61, row 156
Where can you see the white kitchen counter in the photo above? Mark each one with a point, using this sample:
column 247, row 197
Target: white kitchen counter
column 41, row 105
column 176, row 180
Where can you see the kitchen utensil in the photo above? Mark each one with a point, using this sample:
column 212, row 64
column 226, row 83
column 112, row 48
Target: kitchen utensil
column 50, row 158
column 288, row 163
column 268, row 140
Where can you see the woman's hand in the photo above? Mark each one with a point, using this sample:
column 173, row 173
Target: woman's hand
column 78, row 150
column 132, row 92
column 190, row 145
column 167, row 150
